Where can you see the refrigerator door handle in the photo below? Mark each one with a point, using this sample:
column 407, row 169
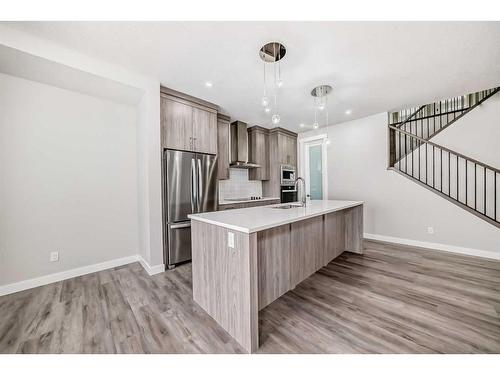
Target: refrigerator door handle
column 180, row 226
column 194, row 193
column 200, row 186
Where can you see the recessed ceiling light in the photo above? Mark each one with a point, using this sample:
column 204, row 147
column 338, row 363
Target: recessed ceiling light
column 348, row 112
column 208, row 84
column 267, row 109
column 302, row 125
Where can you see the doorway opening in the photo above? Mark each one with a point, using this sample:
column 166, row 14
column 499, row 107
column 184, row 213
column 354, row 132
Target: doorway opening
column 313, row 165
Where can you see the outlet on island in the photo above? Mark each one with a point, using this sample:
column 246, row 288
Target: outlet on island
column 54, row 256
column 230, row 239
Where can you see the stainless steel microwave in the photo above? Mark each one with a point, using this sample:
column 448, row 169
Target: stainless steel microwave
column 287, row 175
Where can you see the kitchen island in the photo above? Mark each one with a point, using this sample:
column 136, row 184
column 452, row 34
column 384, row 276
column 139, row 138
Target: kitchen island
column 246, row 258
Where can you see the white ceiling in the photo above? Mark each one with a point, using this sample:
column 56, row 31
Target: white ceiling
column 372, row 66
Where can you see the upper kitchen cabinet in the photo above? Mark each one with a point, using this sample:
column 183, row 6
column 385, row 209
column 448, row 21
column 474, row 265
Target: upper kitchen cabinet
column 177, row 124
column 286, row 143
column 287, row 147
column 258, row 152
column 188, row 123
column 282, row 150
column 223, row 147
column 204, row 131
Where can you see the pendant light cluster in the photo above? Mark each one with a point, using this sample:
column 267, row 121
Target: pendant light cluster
column 272, row 53
column 320, row 98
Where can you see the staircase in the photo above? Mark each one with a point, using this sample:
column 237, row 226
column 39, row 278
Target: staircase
column 458, row 178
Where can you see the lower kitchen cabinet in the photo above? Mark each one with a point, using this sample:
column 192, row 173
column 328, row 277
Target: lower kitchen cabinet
column 273, row 261
column 334, row 236
column 306, row 249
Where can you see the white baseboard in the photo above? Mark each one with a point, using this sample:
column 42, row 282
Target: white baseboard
column 435, row 246
column 151, row 270
column 54, row 277
column 59, row 276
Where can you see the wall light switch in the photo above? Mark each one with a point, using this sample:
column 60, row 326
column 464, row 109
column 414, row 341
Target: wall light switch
column 54, row 256
column 230, row 239
column 430, row 230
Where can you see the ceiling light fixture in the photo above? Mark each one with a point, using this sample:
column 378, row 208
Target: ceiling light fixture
column 302, row 125
column 348, row 112
column 272, row 53
column 208, row 84
column 320, row 98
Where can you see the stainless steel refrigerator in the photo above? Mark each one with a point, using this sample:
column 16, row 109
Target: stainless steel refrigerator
column 190, row 187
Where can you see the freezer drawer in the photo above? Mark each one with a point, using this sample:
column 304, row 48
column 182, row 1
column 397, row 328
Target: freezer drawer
column 179, row 242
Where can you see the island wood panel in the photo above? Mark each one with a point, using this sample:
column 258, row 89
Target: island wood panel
column 354, row 229
column 225, row 280
column 273, row 253
column 335, row 236
column 306, row 248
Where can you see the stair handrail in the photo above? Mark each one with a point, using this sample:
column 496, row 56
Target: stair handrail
column 413, row 115
column 423, row 140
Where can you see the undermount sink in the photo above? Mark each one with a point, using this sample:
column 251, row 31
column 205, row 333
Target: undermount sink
column 286, row 206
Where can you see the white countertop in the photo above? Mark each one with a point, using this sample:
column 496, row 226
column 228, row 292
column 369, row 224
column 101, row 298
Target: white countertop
column 254, row 219
column 263, row 199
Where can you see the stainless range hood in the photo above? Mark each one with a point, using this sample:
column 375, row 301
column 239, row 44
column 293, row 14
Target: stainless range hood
column 239, row 146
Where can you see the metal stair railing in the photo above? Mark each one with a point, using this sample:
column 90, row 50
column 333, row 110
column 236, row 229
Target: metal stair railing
column 429, row 120
column 462, row 180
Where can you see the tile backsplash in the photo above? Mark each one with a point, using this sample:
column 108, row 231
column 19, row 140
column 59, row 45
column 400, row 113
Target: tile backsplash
column 238, row 185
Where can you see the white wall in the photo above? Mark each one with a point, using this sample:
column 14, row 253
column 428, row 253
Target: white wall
column 148, row 129
column 68, row 179
column 396, row 206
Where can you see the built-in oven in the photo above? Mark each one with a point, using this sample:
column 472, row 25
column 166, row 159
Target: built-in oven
column 288, row 194
column 287, row 175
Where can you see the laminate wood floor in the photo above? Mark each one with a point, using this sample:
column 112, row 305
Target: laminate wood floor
column 392, row 299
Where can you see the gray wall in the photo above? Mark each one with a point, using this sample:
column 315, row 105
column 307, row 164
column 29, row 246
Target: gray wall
column 68, row 179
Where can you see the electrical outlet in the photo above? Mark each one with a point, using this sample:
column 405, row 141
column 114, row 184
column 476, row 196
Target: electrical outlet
column 54, row 256
column 430, row 230
column 230, row 239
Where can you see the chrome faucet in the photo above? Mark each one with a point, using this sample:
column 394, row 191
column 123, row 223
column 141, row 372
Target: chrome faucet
column 302, row 190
